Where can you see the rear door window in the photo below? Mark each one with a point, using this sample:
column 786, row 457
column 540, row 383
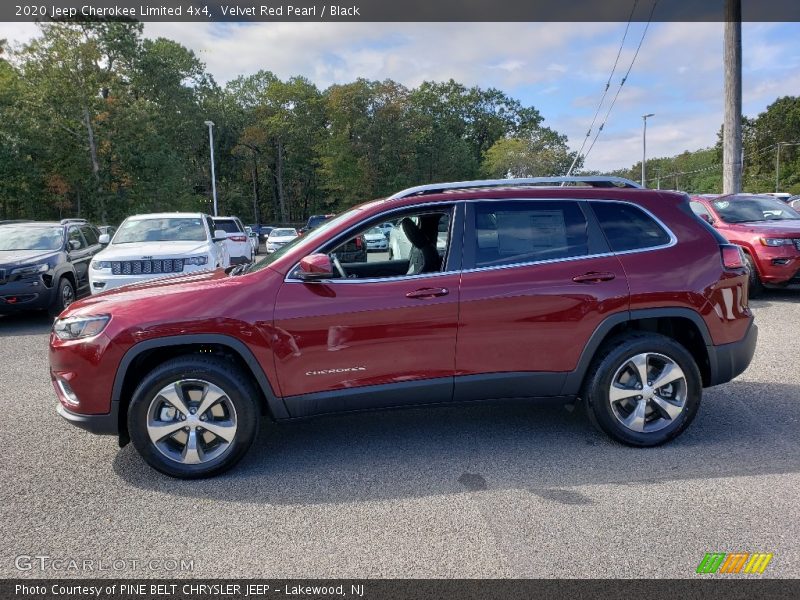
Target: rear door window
column 628, row 227
column 524, row 231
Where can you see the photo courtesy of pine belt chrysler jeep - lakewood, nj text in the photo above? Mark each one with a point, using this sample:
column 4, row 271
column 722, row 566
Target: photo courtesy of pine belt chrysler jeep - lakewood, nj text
column 589, row 289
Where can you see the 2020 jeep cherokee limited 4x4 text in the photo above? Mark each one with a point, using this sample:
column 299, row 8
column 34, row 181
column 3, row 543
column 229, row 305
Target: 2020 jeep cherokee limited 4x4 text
column 596, row 290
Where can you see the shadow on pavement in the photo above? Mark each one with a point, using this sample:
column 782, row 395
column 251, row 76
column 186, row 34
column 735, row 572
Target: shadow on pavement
column 26, row 323
column 742, row 428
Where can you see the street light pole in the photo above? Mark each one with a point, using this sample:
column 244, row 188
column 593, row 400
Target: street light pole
column 213, row 176
column 644, row 146
column 777, row 168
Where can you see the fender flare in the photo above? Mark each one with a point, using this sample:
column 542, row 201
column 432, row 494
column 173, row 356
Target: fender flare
column 275, row 404
column 574, row 381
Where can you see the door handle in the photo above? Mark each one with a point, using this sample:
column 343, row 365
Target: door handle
column 425, row 293
column 593, row 277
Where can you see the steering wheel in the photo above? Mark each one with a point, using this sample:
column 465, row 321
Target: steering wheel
column 338, row 266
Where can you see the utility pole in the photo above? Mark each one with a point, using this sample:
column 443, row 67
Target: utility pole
column 644, row 147
column 778, row 168
column 732, row 127
column 210, row 125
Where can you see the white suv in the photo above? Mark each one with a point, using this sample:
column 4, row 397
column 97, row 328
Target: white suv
column 149, row 246
column 239, row 247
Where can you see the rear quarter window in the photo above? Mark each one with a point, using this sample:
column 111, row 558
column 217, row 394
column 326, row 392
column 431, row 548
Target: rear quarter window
column 627, row 227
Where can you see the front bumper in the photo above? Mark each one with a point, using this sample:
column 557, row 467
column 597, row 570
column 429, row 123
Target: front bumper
column 727, row 361
column 25, row 294
column 107, row 424
column 377, row 245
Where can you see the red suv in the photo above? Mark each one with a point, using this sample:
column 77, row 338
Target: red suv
column 594, row 290
column 768, row 230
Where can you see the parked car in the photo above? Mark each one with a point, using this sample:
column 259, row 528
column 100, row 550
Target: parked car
column 794, row 202
column 45, row 265
column 782, row 196
column 240, row 249
column 376, row 239
column 155, row 245
column 767, row 229
column 386, row 228
column 279, row 237
column 107, row 230
column 612, row 295
column 314, row 221
column 252, row 236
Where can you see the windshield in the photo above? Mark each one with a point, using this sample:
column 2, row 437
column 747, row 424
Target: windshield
column 750, row 209
column 282, row 232
column 16, row 237
column 166, row 229
column 315, row 221
column 310, row 236
column 375, row 231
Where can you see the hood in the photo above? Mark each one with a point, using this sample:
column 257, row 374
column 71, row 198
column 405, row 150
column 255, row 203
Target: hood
column 788, row 228
column 169, row 285
column 13, row 258
column 136, row 250
column 281, row 239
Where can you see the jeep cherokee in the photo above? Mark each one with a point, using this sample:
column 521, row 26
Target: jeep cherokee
column 596, row 290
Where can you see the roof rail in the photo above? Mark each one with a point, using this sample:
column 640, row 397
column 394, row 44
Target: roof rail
column 66, row 221
column 598, row 181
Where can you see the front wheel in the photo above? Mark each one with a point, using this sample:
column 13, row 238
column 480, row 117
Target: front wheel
column 756, row 288
column 65, row 295
column 644, row 389
column 194, row 416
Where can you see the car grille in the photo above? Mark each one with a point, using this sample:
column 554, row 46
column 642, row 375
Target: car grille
column 147, row 267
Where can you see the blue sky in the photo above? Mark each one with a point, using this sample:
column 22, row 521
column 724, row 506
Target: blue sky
column 560, row 68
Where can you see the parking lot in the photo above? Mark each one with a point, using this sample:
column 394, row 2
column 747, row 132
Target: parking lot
column 494, row 490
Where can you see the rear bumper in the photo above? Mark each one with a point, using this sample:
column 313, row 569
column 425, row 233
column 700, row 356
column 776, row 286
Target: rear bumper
column 727, row 361
column 107, row 424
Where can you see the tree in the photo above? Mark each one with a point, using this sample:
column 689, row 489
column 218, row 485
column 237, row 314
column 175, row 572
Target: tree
column 541, row 152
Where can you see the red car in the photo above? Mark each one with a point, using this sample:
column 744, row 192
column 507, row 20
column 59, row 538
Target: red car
column 767, row 229
column 598, row 290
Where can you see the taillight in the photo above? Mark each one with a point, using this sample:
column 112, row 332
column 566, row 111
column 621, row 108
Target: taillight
column 237, row 238
column 358, row 243
column 732, row 256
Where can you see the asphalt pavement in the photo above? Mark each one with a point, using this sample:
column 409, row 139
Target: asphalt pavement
column 496, row 490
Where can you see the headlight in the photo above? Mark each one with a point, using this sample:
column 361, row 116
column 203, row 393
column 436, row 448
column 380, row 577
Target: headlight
column 99, row 265
column 76, row 328
column 196, row 260
column 777, row 241
column 31, row 270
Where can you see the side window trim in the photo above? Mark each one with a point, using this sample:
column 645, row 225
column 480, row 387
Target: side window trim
column 453, row 254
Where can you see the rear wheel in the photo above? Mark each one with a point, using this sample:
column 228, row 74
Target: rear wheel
column 754, row 283
column 644, row 389
column 193, row 417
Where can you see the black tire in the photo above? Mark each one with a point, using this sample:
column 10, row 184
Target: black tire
column 755, row 287
column 239, row 391
column 65, row 295
column 611, row 358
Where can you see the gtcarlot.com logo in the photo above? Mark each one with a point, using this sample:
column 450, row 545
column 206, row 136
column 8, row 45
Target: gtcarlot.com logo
column 43, row 562
column 734, row 562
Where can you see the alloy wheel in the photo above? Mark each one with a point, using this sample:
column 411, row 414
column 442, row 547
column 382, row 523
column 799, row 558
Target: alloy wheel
column 191, row 421
column 648, row 392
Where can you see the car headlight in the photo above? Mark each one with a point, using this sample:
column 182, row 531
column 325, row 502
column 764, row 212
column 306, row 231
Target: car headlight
column 777, row 241
column 196, row 260
column 31, row 270
column 99, row 265
column 76, row 328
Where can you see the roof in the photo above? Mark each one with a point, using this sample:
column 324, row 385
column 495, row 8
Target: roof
column 168, row 215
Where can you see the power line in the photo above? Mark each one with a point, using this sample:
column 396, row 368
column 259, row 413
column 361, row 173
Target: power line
column 605, row 91
column 624, row 79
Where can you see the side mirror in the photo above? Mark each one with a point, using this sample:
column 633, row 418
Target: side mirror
column 315, row 267
column 220, row 235
column 74, row 245
column 104, row 239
